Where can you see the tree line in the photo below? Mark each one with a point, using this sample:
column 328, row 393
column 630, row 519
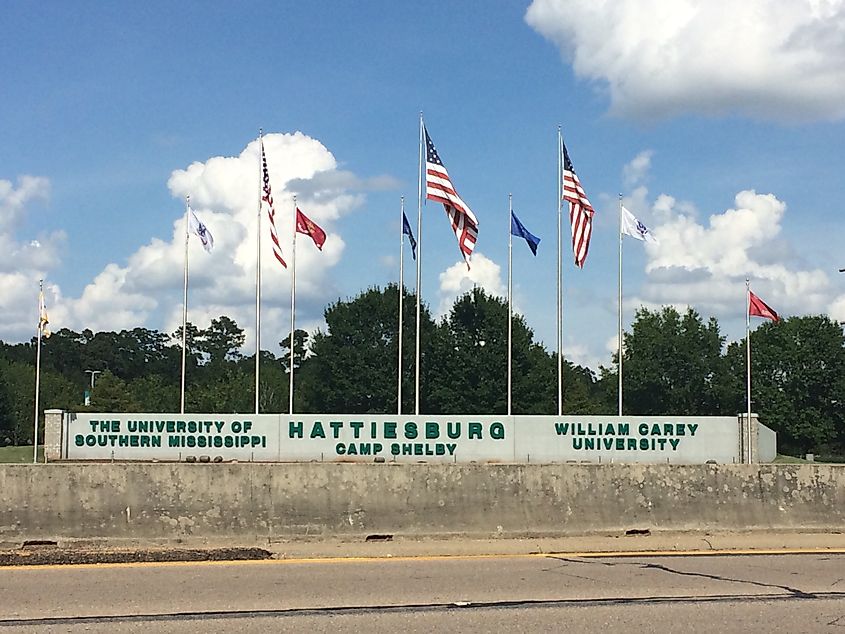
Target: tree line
column 674, row 364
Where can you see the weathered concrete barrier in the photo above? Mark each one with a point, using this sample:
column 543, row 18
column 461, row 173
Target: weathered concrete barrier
column 253, row 502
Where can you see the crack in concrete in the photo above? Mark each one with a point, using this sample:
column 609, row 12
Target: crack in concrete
column 651, row 566
column 794, row 591
column 839, row 621
column 557, row 571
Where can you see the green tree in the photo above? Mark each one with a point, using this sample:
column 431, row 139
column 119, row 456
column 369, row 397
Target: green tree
column 63, row 352
column 111, row 394
column 471, row 365
column 798, row 382
column 222, row 340
column 193, row 352
column 151, row 354
column 300, row 349
column 232, row 391
column 55, row 392
column 273, row 391
column 353, row 365
column 273, row 395
column 471, row 356
column 672, row 364
column 581, row 394
column 155, row 393
column 8, row 427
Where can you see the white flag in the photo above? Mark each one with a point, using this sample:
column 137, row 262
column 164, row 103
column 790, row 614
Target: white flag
column 634, row 228
column 201, row 231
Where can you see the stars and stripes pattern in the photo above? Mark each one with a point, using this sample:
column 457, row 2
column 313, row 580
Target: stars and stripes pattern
column 438, row 187
column 267, row 197
column 580, row 210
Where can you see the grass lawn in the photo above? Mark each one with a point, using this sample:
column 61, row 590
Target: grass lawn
column 782, row 459
column 20, row 454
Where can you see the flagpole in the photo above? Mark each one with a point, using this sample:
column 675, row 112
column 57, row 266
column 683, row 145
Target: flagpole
column 619, row 307
column 559, row 277
column 38, row 368
column 258, row 274
column 401, row 293
column 292, row 306
column 747, row 425
column 419, row 267
column 184, row 305
column 510, row 309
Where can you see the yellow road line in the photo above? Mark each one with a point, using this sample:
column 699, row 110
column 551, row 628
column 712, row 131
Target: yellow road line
column 703, row 553
column 410, row 558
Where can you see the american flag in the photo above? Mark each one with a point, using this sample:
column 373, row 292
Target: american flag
column 438, row 186
column 580, row 210
column 267, row 197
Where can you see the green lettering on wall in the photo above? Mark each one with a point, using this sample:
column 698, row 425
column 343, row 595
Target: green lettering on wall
column 497, row 431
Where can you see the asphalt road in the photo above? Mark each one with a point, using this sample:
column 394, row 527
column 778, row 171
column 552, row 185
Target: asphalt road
column 737, row 593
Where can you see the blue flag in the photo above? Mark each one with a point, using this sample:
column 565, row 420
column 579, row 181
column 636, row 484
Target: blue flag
column 406, row 229
column 519, row 230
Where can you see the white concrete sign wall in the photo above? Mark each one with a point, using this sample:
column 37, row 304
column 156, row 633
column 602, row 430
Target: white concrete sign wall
column 365, row 438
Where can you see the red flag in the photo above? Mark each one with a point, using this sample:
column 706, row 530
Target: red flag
column 759, row 308
column 305, row 225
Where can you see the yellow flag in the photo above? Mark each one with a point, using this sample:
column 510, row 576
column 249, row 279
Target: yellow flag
column 42, row 315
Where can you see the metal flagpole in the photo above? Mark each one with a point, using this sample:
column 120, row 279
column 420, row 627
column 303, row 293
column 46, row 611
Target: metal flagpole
column 292, row 306
column 258, row 273
column 559, row 276
column 401, row 293
column 747, row 425
column 510, row 293
column 619, row 306
column 419, row 266
column 185, row 305
column 38, row 368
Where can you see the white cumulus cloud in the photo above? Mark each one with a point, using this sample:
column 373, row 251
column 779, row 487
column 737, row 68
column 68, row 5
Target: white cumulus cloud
column 457, row 280
column 837, row 309
column 224, row 192
column 772, row 59
column 24, row 259
column 704, row 263
column 636, row 170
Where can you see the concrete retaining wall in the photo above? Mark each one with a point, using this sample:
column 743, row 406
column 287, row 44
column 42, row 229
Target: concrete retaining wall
column 253, row 502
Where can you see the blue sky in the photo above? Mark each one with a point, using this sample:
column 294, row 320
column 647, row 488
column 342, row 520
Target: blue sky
column 725, row 139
